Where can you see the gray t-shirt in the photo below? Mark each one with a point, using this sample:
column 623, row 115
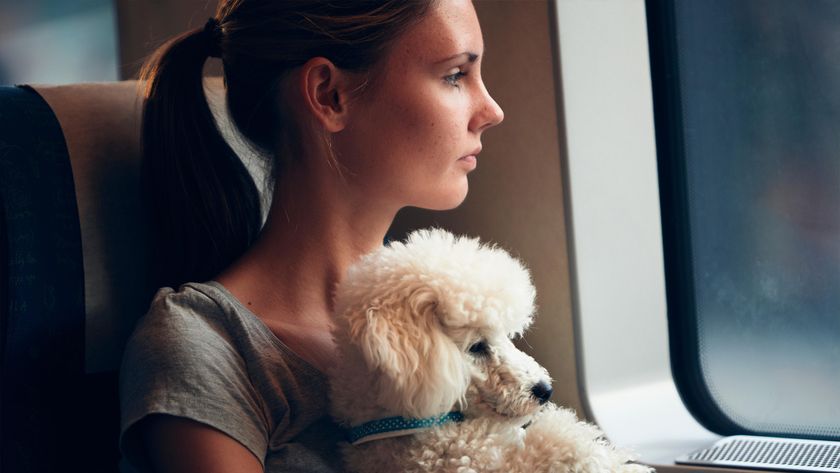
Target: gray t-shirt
column 199, row 353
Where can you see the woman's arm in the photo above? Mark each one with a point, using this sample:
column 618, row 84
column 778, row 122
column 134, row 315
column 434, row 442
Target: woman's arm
column 179, row 445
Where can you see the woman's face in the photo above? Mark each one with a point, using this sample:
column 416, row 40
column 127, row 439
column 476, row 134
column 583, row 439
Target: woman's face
column 413, row 137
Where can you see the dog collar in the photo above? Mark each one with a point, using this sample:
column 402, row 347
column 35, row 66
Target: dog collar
column 397, row 426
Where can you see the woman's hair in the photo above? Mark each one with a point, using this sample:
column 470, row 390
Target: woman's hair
column 202, row 203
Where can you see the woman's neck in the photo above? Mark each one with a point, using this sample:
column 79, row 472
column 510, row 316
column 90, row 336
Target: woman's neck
column 313, row 233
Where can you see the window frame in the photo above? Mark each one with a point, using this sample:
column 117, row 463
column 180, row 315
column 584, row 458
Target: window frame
column 676, row 231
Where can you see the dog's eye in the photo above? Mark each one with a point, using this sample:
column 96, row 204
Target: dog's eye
column 479, row 348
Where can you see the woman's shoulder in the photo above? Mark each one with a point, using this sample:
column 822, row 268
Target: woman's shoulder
column 184, row 359
column 193, row 312
column 192, row 299
column 203, row 320
column 180, row 329
column 196, row 354
column 186, row 306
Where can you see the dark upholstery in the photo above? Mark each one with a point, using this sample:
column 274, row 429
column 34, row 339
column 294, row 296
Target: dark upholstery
column 53, row 416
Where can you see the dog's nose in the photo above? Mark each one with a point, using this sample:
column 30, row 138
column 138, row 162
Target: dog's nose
column 541, row 391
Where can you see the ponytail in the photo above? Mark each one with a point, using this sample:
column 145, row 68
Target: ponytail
column 202, row 203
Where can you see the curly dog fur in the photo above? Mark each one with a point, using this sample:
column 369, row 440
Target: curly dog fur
column 424, row 328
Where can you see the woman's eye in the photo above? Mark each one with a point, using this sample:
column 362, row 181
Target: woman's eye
column 479, row 348
column 453, row 79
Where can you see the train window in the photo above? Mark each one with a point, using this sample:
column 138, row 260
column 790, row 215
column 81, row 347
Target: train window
column 57, row 42
column 747, row 109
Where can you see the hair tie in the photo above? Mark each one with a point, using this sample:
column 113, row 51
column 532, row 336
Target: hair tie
column 212, row 36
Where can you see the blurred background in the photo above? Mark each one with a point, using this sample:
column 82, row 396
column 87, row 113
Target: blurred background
column 61, row 42
column 56, row 41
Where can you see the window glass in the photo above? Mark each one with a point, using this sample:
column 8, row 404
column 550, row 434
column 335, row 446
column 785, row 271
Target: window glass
column 748, row 128
column 57, row 41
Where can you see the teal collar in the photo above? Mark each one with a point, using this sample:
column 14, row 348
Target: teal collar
column 397, row 426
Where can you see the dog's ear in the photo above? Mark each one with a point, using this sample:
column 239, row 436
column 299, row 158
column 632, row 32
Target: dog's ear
column 420, row 370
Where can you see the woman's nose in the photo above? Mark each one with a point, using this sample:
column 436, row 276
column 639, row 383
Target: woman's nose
column 488, row 113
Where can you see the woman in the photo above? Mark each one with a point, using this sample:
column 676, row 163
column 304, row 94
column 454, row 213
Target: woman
column 364, row 108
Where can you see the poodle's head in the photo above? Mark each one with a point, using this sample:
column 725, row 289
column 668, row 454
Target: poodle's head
column 432, row 321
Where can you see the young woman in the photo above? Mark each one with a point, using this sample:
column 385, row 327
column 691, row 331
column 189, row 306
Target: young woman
column 362, row 107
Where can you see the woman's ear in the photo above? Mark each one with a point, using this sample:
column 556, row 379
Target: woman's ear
column 325, row 89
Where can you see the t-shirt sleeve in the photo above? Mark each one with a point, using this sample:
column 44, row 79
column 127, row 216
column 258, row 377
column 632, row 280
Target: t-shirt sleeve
column 180, row 361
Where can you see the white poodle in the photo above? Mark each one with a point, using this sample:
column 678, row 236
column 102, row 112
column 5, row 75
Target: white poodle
column 428, row 378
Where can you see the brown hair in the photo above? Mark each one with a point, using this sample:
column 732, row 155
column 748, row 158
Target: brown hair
column 203, row 205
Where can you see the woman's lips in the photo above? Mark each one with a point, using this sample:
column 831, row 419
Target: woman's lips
column 469, row 160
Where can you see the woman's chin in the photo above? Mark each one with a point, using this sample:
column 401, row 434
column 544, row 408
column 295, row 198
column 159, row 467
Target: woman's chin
column 445, row 198
column 453, row 201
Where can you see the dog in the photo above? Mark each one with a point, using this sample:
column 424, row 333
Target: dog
column 428, row 378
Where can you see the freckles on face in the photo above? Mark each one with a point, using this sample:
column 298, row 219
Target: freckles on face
column 411, row 128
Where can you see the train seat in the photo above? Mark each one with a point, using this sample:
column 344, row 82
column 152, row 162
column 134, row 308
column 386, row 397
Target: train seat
column 73, row 267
